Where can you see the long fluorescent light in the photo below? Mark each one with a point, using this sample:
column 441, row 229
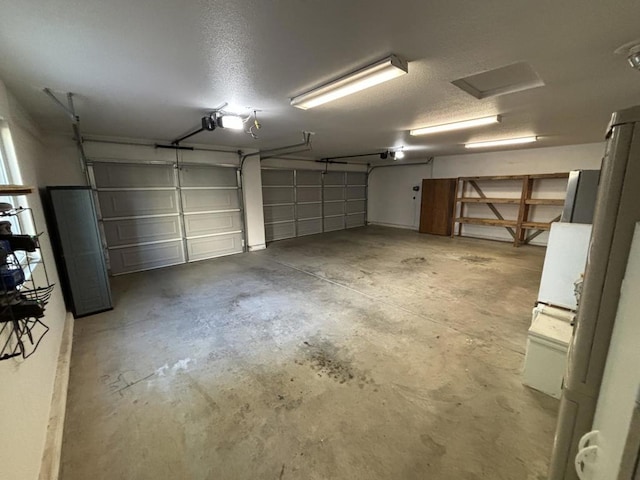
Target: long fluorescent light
column 476, row 122
column 498, row 143
column 378, row 72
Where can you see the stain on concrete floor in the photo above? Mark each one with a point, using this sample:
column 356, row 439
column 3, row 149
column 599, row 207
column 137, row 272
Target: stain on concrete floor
column 292, row 363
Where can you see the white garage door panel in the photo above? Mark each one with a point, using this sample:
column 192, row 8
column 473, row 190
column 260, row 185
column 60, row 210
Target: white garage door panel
column 356, row 178
column 277, row 177
column 354, row 193
column 309, row 227
column 141, row 230
column 207, row 176
column 335, row 208
column 217, row 246
column 132, row 259
column 212, row 223
column 137, row 203
column 319, row 201
column 355, row 206
column 334, row 193
column 334, row 178
column 278, row 213
column 308, row 177
column 275, row 195
column 279, row 231
column 309, row 210
column 209, row 200
column 356, row 220
column 114, row 175
column 308, row 194
column 333, row 223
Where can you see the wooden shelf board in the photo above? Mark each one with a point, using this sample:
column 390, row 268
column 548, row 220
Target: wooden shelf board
column 515, row 201
column 517, row 177
column 487, row 221
column 536, row 225
column 545, row 201
column 15, row 190
column 496, row 177
column 550, row 175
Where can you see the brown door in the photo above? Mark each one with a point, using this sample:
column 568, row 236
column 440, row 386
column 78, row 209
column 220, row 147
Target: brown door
column 438, row 198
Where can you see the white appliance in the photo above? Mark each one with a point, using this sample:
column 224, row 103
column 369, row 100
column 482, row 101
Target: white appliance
column 552, row 320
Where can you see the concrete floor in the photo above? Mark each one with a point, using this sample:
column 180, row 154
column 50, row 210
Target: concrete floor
column 368, row 354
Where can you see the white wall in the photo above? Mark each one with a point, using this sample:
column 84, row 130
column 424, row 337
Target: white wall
column 26, row 386
column 391, row 202
column 621, row 380
column 61, row 163
column 253, row 206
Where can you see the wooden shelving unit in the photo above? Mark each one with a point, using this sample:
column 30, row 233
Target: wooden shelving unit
column 522, row 229
column 15, row 190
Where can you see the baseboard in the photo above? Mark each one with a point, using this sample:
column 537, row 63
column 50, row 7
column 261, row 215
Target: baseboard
column 50, row 468
column 255, row 248
column 393, row 225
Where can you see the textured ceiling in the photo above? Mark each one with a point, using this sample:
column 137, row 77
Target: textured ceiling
column 152, row 68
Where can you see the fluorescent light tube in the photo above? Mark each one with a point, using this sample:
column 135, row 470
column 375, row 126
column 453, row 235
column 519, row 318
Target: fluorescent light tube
column 499, row 143
column 231, row 121
column 476, row 122
column 379, row 72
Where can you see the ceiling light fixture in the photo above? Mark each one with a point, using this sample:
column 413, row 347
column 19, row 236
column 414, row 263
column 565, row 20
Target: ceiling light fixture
column 233, row 122
column 499, row 143
column 374, row 74
column 476, row 122
column 397, row 155
column 632, row 52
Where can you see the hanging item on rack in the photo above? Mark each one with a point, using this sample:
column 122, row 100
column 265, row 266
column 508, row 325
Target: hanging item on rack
column 22, row 301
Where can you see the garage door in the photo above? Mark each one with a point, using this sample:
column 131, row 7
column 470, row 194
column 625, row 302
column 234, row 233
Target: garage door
column 305, row 202
column 278, row 198
column 151, row 218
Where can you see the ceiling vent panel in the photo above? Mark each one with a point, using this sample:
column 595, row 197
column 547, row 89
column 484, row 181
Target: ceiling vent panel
column 509, row 79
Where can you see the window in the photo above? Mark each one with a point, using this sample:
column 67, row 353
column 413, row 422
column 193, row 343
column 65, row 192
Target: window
column 10, row 174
